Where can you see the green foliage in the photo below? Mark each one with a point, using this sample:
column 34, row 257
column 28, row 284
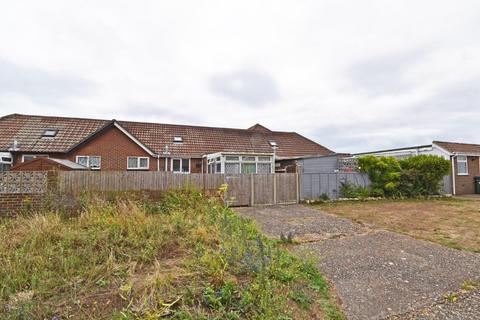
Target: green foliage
column 185, row 257
column 422, row 175
column 384, row 173
column 350, row 190
column 411, row 177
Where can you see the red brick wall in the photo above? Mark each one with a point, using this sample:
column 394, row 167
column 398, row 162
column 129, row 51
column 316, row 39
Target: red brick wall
column 13, row 203
column 114, row 147
column 465, row 184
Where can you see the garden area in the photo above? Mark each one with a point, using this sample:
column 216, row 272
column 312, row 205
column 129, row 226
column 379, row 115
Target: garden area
column 450, row 222
column 185, row 256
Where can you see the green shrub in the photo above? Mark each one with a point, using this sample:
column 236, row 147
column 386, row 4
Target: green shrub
column 350, row 190
column 410, row 177
column 422, row 175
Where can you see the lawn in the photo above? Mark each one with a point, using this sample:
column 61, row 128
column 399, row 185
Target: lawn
column 184, row 257
column 451, row 222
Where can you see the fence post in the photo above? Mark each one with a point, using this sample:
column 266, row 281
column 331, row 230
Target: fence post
column 274, row 188
column 297, row 186
column 252, row 190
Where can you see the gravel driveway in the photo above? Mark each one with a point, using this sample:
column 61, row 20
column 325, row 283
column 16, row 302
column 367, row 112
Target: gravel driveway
column 378, row 274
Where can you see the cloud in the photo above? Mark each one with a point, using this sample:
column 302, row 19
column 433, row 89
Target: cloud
column 249, row 87
column 40, row 85
column 385, row 74
column 141, row 111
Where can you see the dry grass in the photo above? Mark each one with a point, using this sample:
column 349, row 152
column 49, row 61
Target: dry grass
column 451, row 222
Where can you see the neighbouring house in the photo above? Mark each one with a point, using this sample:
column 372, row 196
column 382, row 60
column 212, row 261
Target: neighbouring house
column 464, row 159
column 112, row 145
column 47, row 164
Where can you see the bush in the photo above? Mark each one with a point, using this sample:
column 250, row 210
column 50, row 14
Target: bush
column 422, row 175
column 411, row 177
column 350, row 190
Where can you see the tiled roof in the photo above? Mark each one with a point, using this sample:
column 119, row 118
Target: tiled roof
column 28, row 130
column 456, row 147
column 197, row 140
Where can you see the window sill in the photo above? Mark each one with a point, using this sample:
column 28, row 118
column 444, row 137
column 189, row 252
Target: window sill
column 463, row 174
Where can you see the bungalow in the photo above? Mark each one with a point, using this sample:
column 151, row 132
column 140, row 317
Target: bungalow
column 124, row 145
column 464, row 158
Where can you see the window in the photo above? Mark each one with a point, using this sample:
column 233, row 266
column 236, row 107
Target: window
column 462, row 165
column 249, row 168
column 49, row 133
column 264, row 159
column 28, row 157
column 177, row 139
column 138, row 163
column 273, row 143
column 264, row 168
column 231, row 158
column 248, row 159
column 218, row 167
column 232, row 168
column 181, row 165
column 92, row 162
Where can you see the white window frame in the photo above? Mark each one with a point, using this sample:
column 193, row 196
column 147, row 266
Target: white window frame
column 88, row 161
column 466, row 166
column 34, row 156
column 138, row 163
column 181, row 165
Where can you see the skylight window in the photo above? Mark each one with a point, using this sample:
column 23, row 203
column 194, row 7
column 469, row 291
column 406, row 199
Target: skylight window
column 49, row 133
column 273, row 143
column 177, row 139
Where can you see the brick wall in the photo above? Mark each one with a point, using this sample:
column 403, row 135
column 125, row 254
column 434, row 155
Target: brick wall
column 465, row 184
column 14, row 203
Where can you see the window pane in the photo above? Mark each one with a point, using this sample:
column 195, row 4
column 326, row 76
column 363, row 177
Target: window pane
column 143, row 163
column 264, row 168
column 232, row 168
column 28, row 158
column 94, row 162
column 185, row 165
column 264, row 159
column 82, row 161
column 176, row 165
column 248, row 158
column 219, row 168
column 132, row 162
column 462, row 167
column 248, row 168
column 231, row 158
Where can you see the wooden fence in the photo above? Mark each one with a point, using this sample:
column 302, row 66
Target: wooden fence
column 243, row 189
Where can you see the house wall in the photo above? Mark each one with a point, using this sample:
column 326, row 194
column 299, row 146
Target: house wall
column 464, row 184
column 114, row 147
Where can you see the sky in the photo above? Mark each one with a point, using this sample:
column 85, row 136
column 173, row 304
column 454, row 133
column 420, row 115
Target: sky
column 351, row 75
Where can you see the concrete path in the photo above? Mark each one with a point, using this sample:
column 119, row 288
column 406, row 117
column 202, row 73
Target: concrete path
column 378, row 274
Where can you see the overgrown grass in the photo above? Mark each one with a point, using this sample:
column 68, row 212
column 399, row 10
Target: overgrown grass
column 185, row 257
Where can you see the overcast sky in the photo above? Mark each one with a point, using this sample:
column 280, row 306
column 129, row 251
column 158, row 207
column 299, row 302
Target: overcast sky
column 351, row 75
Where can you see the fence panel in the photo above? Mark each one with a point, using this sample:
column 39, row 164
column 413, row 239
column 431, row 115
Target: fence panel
column 263, row 188
column 315, row 185
column 287, row 189
column 243, row 189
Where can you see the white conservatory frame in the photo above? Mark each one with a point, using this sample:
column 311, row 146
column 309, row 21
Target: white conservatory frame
column 216, row 162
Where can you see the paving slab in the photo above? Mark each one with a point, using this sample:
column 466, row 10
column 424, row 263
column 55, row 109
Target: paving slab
column 378, row 274
column 303, row 222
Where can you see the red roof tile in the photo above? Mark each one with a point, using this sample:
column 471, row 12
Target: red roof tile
column 456, row 147
column 197, row 140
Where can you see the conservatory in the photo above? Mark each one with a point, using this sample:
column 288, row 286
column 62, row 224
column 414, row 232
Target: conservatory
column 235, row 163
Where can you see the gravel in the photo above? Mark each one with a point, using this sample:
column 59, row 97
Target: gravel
column 378, row 274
